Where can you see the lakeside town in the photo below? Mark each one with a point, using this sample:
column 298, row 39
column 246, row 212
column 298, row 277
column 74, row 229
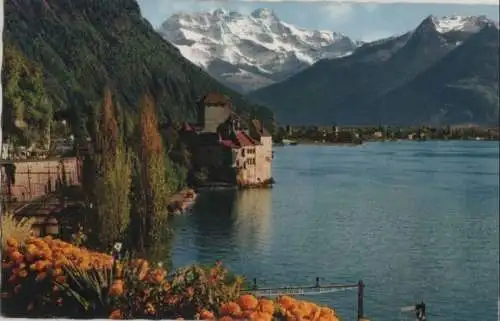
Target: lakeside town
column 291, row 135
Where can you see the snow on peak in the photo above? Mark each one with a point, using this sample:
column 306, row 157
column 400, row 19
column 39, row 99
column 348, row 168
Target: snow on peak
column 258, row 43
column 470, row 24
column 263, row 13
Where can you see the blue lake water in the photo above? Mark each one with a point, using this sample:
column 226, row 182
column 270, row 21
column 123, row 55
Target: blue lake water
column 414, row 220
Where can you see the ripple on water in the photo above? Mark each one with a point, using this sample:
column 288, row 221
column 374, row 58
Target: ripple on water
column 415, row 221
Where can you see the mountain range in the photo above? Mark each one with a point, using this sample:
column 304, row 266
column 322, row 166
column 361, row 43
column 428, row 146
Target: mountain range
column 443, row 72
column 60, row 55
column 248, row 52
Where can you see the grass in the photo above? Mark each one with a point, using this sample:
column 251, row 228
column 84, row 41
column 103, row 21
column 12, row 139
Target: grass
column 15, row 228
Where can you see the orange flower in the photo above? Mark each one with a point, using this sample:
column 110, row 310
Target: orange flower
column 17, row 257
column 159, row 276
column 230, row 308
column 39, row 266
column 248, row 302
column 7, row 265
column 116, row 314
column 305, row 307
column 326, row 311
column 143, row 271
column 166, row 286
column 116, row 288
column 315, row 313
column 248, row 314
column 12, row 242
column 206, row 315
column 266, row 306
column 286, row 302
column 57, row 271
column 226, row 318
column 260, row 316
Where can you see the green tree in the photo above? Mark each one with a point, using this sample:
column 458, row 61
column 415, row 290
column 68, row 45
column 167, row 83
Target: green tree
column 151, row 188
column 27, row 109
column 113, row 178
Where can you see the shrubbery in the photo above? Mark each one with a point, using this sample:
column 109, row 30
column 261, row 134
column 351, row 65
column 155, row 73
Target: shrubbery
column 46, row 277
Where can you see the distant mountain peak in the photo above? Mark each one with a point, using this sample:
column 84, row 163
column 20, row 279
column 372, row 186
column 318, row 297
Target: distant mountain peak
column 220, row 12
column 442, row 72
column 263, row 13
column 470, row 24
column 250, row 51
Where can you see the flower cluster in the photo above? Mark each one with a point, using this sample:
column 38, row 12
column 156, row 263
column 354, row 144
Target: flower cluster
column 248, row 307
column 52, row 278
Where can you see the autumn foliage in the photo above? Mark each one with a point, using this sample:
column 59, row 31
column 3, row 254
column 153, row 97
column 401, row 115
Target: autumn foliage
column 151, row 189
column 112, row 177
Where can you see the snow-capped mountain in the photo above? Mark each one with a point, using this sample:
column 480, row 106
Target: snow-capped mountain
column 247, row 52
column 470, row 24
column 444, row 71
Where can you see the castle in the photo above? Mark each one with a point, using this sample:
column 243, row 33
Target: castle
column 231, row 150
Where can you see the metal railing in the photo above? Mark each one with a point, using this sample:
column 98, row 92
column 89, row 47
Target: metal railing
column 311, row 290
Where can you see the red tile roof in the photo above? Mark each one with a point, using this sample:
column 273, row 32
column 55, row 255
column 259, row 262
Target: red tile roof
column 241, row 140
column 229, row 143
column 244, row 140
column 215, row 98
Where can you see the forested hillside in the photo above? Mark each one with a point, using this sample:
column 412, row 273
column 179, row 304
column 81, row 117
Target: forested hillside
column 60, row 55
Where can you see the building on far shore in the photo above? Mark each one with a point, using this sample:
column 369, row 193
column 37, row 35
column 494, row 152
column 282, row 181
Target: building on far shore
column 231, row 150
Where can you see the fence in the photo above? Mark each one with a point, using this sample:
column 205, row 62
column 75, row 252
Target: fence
column 25, row 182
column 312, row 290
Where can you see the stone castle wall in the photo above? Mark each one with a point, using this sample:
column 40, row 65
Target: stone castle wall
column 34, row 179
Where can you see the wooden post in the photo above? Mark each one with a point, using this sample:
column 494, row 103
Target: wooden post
column 317, row 282
column 50, row 180
column 361, row 287
column 254, row 284
column 29, row 184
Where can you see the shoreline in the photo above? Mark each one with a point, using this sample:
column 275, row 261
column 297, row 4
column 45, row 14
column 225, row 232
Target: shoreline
column 182, row 201
column 312, row 143
column 327, row 143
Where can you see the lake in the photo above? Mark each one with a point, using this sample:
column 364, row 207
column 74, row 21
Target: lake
column 414, row 220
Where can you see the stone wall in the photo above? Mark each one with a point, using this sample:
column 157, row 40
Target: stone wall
column 246, row 161
column 34, row 179
column 214, row 116
column 263, row 159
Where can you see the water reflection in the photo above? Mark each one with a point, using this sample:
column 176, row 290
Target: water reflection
column 214, row 219
column 252, row 209
column 225, row 225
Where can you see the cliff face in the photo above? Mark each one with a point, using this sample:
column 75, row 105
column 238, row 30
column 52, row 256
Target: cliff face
column 81, row 46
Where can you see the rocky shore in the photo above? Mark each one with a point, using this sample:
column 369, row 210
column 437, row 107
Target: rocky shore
column 182, row 201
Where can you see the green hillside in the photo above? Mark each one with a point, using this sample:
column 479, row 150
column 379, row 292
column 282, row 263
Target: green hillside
column 78, row 47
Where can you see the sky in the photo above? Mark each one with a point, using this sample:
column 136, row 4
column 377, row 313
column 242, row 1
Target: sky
column 358, row 19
